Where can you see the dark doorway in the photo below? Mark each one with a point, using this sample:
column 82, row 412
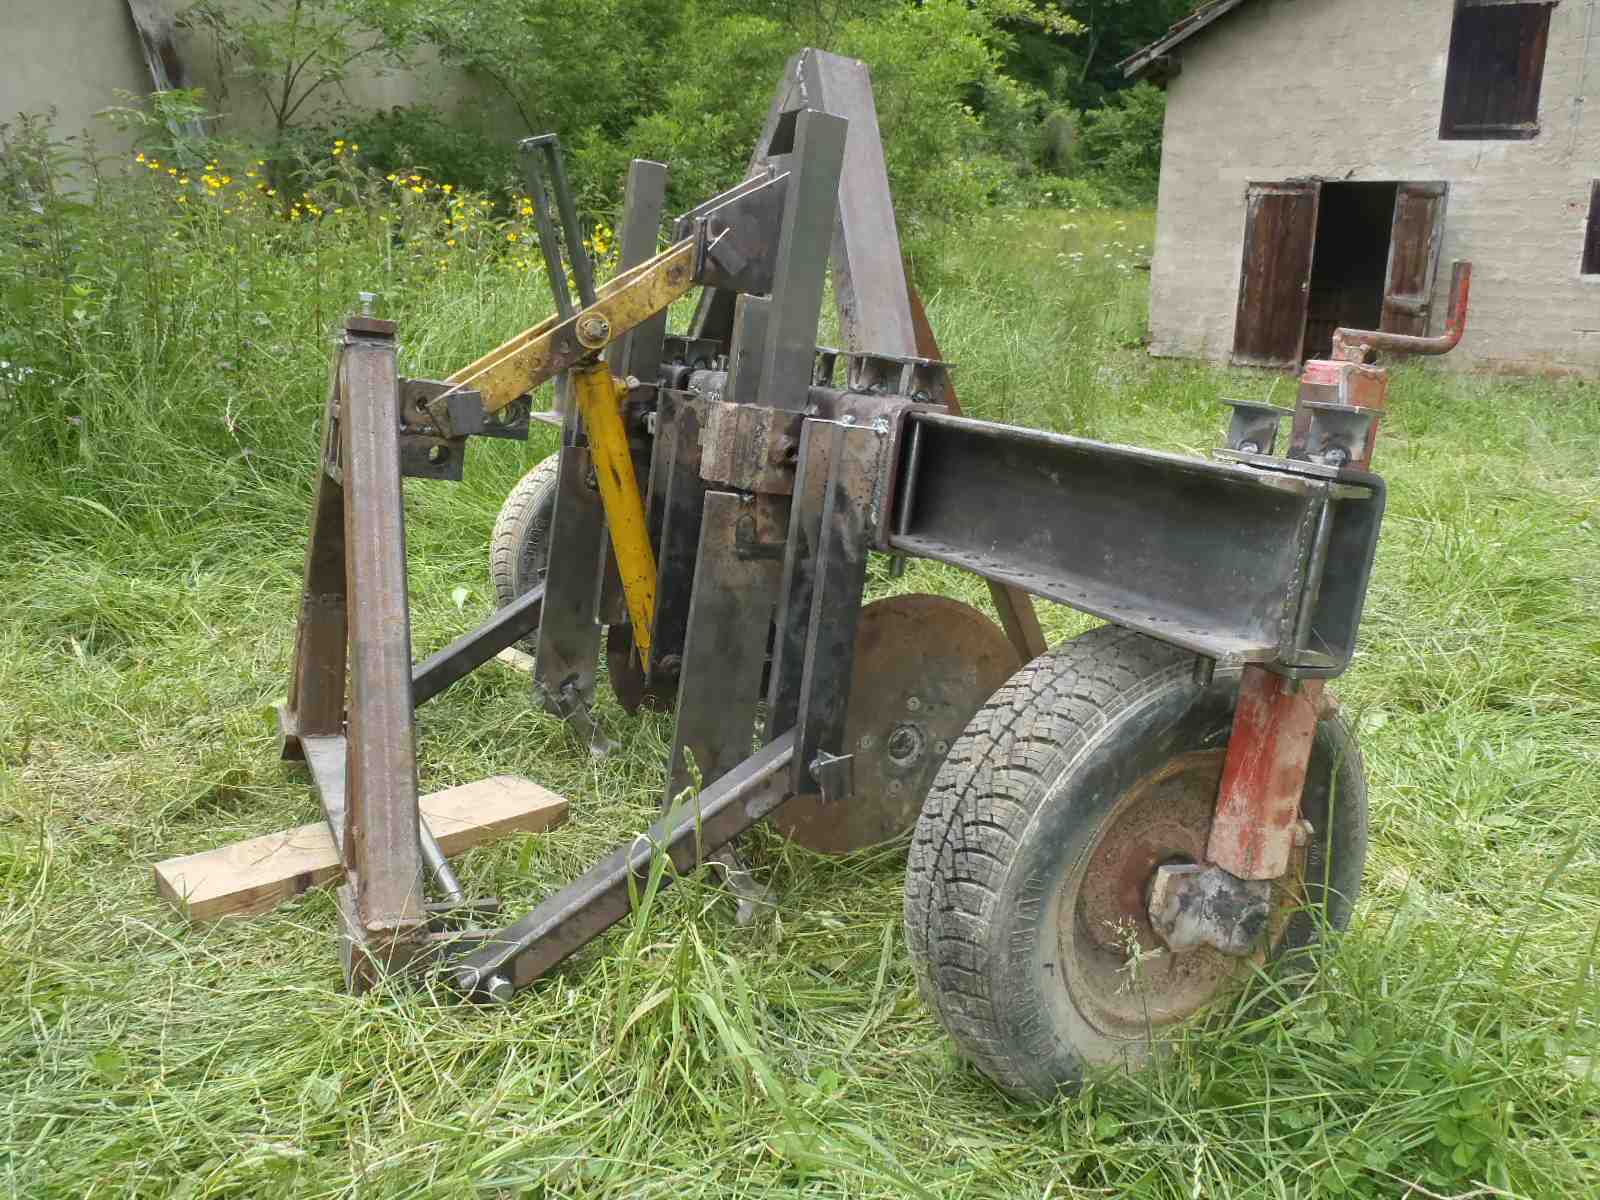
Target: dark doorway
column 1318, row 255
column 1351, row 261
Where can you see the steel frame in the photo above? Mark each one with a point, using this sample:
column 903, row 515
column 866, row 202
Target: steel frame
column 766, row 489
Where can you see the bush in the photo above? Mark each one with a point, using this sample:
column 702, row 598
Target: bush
column 1121, row 144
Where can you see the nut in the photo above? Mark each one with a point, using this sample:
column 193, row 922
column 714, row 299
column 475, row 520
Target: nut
column 594, row 331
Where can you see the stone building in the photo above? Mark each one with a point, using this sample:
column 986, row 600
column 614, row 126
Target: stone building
column 1323, row 158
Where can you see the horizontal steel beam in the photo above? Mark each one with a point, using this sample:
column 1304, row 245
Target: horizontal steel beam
column 1239, row 563
column 471, row 650
column 689, row 832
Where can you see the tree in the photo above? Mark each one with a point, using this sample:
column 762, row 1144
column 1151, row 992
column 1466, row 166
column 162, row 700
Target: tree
column 294, row 50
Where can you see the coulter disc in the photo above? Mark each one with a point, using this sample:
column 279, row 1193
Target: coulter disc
column 923, row 666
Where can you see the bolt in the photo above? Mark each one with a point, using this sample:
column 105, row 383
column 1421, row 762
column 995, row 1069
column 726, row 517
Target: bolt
column 594, row 331
column 367, row 300
column 499, row 989
column 913, row 704
column 1303, row 829
column 1249, row 448
column 867, row 741
column 941, row 747
column 1337, row 456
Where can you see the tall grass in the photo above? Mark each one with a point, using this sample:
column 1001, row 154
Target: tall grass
column 149, row 559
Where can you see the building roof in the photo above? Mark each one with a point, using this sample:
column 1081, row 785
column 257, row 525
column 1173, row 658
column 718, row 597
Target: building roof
column 1154, row 59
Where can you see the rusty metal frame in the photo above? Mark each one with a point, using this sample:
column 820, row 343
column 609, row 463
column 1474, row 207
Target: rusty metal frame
column 768, row 488
column 355, row 619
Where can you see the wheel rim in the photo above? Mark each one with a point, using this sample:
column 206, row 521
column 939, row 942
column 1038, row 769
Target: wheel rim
column 1119, row 973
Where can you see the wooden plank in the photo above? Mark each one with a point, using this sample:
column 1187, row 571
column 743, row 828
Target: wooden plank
column 245, row 879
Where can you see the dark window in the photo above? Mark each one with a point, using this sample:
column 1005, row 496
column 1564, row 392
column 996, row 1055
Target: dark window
column 1591, row 234
column 1491, row 87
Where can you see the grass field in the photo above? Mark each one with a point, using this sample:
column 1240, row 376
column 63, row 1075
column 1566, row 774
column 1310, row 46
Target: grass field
column 148, row 577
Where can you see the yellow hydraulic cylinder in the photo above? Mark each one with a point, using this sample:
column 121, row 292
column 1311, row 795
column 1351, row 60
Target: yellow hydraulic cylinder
column 599, row 396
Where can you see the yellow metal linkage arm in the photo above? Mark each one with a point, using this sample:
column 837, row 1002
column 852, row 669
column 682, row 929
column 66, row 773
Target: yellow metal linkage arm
column 538, row 354
column 599, row 398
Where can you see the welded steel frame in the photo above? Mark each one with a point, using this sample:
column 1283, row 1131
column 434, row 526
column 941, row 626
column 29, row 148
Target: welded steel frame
column 769, row 487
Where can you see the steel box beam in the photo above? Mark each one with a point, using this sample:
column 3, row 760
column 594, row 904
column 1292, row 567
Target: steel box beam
column 1212, row 557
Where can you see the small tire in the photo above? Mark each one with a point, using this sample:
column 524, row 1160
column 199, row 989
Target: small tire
column 519, row 548
column 1025, row 887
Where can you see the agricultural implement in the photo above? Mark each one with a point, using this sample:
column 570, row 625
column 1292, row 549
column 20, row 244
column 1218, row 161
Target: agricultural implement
column 1175, row 785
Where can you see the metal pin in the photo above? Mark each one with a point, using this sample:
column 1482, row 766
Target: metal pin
column 368, row 299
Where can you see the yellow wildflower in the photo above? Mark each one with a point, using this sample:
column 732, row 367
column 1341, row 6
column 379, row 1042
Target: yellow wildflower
column 172, row 170
column 417, row 190
column 272, row 191
column 449, row 241
column 392, row 178
column 511, row 237
column 139, row 157
column 183, row 199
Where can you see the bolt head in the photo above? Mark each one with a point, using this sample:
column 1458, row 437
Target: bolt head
column 499, row 989
column 941, row 747
column 913, row 704
column 594, row 331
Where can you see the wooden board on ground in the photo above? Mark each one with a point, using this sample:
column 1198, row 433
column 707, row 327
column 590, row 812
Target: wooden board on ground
column 245, row 879
column 517, row 660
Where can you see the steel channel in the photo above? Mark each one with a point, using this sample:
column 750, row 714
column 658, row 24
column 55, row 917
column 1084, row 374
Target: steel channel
column 689, row 833
column 724, row 649
column 582, row 269
column 908, row 483
column 569, row 640
column 841, row 575
column 1312, row 588
column 381, row 840
column 799, row 579
column 548, row 246
column 801, row 265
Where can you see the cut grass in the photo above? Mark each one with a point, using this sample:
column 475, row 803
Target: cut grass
column 146, row 599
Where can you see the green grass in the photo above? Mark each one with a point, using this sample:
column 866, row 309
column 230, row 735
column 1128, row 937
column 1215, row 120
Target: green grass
column 148, row 576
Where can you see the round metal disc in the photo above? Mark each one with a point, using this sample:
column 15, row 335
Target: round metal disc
column 923, row 666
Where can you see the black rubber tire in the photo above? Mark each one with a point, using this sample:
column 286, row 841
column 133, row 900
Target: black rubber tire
column 1018, row 807
column 519, row 548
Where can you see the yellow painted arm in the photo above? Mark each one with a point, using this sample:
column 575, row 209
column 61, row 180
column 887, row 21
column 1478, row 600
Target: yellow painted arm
column 538, row 354
column 599, row 397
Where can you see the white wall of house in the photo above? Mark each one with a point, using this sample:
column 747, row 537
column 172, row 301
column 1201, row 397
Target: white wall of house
column 1339, row 89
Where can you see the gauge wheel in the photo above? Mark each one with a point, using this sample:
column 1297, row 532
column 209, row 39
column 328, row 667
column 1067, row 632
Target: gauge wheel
column 1027, row 886
column 519, row 548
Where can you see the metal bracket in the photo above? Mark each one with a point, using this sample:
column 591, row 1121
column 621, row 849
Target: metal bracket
column 835, row 775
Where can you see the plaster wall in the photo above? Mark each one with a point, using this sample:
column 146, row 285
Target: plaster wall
column 74, row 55
column 1352, row 90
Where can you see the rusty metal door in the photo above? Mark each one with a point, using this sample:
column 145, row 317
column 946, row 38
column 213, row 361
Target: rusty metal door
column 1414, row 242
column 1280, row 233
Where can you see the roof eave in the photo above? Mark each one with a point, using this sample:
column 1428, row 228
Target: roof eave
column 1156, row 60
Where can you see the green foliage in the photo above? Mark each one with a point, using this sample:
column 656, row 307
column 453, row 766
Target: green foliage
column 418, row 136
column 1077, row 64
column 1121, row 143
column 294, row 52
